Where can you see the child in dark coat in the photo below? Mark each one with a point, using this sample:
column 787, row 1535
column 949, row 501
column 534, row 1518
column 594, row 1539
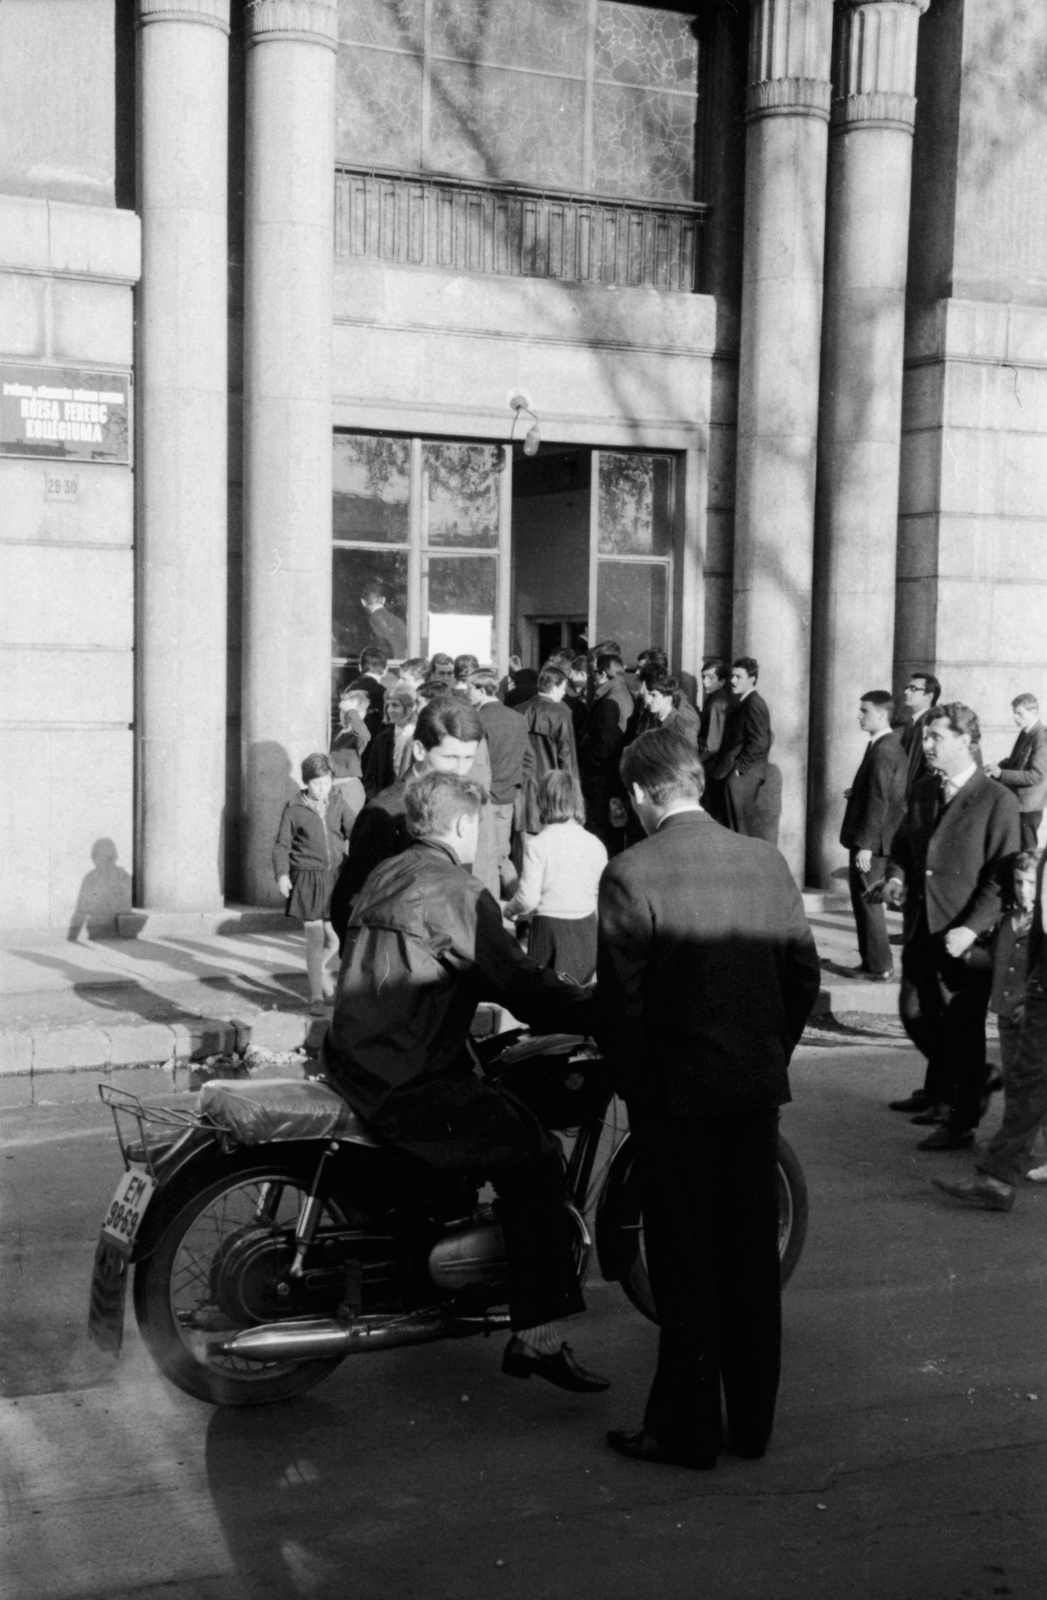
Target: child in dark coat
column 307, row 857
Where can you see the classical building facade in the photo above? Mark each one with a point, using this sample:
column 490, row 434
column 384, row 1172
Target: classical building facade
column 286, row 285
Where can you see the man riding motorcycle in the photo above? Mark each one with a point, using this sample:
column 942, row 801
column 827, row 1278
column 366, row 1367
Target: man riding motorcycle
column 425, row 944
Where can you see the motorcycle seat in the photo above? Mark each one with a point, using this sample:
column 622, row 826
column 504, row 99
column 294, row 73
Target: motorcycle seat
column 269, row 1110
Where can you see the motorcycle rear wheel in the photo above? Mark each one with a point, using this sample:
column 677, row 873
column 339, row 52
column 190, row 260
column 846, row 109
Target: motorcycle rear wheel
column 625, row 1214
column 191, row 1291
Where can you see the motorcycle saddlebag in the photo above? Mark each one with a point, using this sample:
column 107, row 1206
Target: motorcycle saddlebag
column 272, row 1109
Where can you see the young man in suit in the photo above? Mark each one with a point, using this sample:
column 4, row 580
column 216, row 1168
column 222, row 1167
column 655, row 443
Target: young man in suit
column 922, row 692
column 741, row 765
column 945, row 869
column 605, row 735
column 707, row 973
column 875, row 807
column 1024, row 771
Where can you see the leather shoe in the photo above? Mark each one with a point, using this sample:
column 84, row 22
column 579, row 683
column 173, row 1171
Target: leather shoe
column 643, row 1446
column 989, row 1193
column 917, row 1101
column 946, row 1138
column 873, row 977
column 930, row 1115
column 520, row 1361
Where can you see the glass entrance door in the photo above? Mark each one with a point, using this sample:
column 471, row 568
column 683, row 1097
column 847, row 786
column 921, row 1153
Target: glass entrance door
column 632, row 515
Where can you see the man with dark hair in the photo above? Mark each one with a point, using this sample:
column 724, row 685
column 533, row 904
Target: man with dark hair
column 387, row 629
column 921, row 693
column 413, row 671
column 512, row 762
column 707, row 972
column 875, row 807
column 945, row 871
column 442, row 666
column 425, row 944
column 373, row 663
column 1024, row 771
column 447, row 737
column 605, row 730
column 463, row 666
column 740, row 767
column 550, row 727
column 716, row 697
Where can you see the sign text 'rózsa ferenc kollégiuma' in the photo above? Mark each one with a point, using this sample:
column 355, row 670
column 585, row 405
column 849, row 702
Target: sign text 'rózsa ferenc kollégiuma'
column 65, row 413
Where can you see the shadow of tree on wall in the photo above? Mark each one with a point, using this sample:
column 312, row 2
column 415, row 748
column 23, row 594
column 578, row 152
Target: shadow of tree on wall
column 105, row 891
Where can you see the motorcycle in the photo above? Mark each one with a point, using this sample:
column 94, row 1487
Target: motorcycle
column 271, row 1235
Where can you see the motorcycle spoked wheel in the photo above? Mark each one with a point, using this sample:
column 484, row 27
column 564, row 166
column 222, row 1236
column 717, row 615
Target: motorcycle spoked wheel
column 217, row 1268
column 792, row 1227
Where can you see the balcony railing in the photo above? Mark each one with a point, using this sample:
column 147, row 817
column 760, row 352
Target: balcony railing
column 431, row 221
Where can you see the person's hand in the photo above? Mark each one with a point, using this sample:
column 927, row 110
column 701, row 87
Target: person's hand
column 891, row 892
column 863, row 860
column 992, row 769
column 847, row 793
column 958, row 941
column 283, row 883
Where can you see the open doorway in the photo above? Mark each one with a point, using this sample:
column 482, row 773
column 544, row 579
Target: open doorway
column 550, row 544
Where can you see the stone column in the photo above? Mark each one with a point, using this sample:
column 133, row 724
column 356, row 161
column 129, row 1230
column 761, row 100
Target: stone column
column 863, row 331
column 787, row 111
column 183, row 51
column 288, row 310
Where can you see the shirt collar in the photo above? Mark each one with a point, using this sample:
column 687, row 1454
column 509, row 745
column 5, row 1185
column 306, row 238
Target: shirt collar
column 961, row 778
column 881, row 735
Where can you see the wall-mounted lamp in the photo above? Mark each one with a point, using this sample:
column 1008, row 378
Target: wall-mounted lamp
column 533, row 436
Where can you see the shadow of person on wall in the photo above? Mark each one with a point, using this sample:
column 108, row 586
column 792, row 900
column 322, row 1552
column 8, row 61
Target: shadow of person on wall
column 105, row 891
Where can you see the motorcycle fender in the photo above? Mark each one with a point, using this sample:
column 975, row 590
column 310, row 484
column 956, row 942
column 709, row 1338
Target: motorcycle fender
column 617, row 1215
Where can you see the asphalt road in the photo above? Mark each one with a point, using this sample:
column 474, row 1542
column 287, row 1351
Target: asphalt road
column 909, row 1458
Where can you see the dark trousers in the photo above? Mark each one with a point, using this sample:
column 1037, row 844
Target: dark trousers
column 870, row 921
column 460, row 1124
column 1029, row 822
column 709, row 1191
column 1025, row 1095
column 739, row 800
column 943, row 1004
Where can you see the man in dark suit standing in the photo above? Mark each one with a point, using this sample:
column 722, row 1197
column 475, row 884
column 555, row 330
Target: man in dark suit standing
column 875, row 807
column 922, row 692
column 1024, row 771
column 741, row 765
column 946, row 864
column 707, row 974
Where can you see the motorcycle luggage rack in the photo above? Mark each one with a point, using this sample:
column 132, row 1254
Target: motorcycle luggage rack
column 158, row 1126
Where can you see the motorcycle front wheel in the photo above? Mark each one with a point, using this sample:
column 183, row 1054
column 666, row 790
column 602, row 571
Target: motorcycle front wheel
column 221, row 1265
column 622, row 1216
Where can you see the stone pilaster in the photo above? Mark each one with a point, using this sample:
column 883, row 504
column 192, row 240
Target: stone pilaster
column 787, row 106
column 870, row 161
column 288, row 308
column 182, row 51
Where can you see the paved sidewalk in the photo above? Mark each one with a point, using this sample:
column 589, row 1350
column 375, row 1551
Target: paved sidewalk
column 182, row 989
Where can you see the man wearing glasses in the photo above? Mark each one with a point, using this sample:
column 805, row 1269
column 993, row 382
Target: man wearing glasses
column 921, row 693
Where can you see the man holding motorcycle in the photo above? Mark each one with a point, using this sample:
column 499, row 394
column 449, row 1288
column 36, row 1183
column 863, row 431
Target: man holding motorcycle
column 425, row 944
column 707, row 973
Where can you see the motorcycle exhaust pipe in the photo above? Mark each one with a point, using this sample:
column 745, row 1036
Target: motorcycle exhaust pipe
column 323, row 1337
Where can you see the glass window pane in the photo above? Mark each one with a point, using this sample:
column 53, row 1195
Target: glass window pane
column 397, row 24
column 635, row 44
column 643, row 143
column 636, row 505
column 491, row 123
column 379, row 108
column 548, row 35
column 631, row 605
column 463, row 593
column 369, row 602
column 462, row 484
column 372, row 485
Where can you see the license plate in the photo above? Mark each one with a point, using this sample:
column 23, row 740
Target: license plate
column 122, row 1220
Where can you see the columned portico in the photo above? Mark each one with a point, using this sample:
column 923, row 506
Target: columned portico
column 289, row 262
column 182, row 63
column 787, row 110
column 870, row 168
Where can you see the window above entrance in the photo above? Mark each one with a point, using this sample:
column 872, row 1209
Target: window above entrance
column 556, row 93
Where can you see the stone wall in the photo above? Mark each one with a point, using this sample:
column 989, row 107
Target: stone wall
column 67, row 598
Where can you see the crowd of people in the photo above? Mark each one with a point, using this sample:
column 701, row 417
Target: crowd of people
column 518, row 838
column 953, row 842
column 549, row 748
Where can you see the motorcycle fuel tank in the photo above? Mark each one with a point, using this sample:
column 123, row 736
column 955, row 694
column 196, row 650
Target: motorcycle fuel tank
column 471, row 1255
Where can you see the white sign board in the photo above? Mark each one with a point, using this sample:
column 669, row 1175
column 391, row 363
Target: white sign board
column 458, row 635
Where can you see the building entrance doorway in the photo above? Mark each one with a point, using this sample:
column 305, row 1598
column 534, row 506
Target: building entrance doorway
column 592, row 546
